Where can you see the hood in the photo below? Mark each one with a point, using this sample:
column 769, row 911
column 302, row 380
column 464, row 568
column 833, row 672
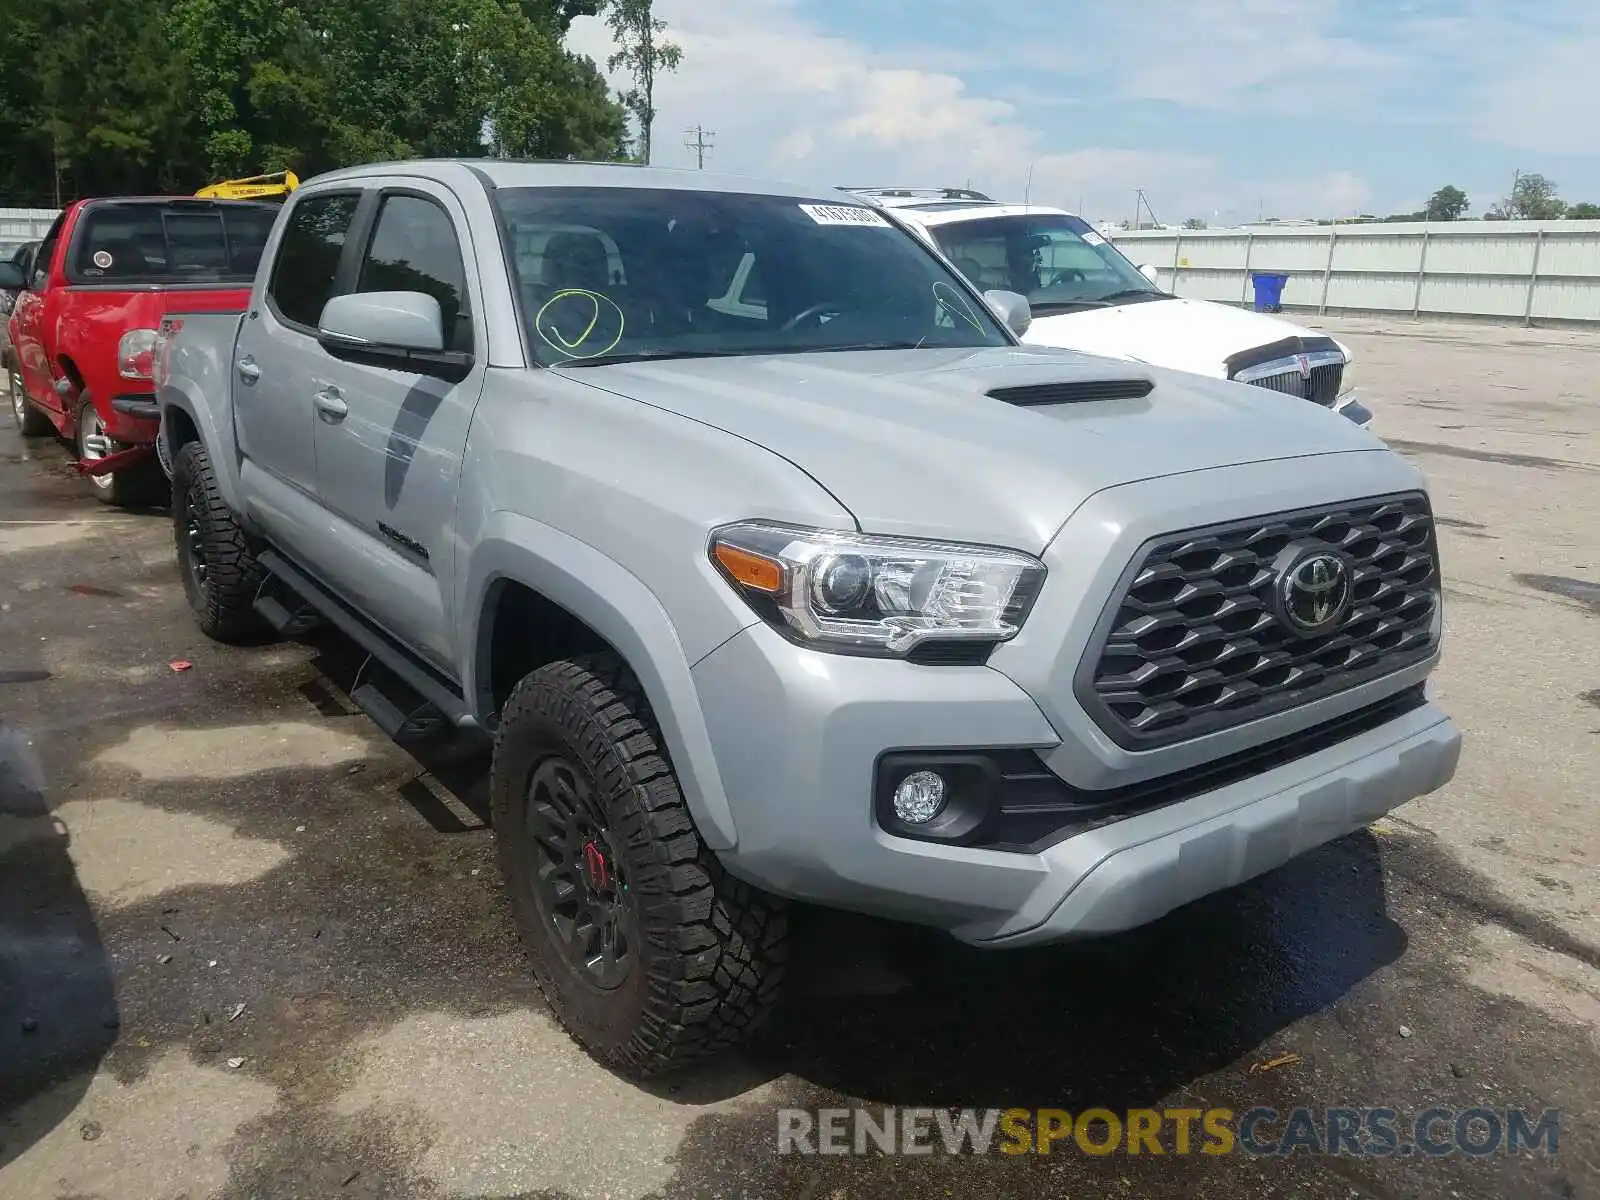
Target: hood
column 909, row 442
column 1185, row 335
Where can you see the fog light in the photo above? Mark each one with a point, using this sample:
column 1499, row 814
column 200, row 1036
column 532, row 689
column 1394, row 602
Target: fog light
column 919, row 798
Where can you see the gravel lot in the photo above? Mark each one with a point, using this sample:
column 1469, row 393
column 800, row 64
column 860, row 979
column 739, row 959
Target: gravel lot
column 236, row 834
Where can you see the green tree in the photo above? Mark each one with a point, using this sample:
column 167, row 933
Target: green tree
column 1194, row 223
column 1449, row 203
column 313, row 84
column 1533, row 198
column 1584, row 212
column 542, row 101
column 260, row 83
column 645, row 53
column 166, row 95
column 89, row 100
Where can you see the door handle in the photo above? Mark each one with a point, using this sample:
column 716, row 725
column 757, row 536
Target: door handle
column 330, row 405
column 248, row 371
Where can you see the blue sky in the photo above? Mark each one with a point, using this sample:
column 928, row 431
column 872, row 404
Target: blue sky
column 1217, row 108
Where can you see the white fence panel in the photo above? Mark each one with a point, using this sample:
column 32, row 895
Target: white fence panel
column 25, row 224
column 1521, row 270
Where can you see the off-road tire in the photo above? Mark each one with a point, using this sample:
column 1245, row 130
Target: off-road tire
column 136, row 486
column 710, row 949
column 30, row 421
column 223, row 601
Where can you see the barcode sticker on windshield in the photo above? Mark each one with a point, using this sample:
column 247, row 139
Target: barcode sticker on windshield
column 1093, row 238
column 841, row 214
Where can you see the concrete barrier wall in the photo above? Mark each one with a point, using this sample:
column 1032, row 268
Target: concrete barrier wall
column 1526, row 271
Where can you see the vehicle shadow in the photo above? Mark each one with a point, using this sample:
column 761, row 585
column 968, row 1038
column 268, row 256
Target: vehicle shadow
column 895, row 1014
column 1118, row 1022
column 58, row 1003
column 457, row 764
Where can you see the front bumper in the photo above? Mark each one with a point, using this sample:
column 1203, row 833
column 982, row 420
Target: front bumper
column 798, row 734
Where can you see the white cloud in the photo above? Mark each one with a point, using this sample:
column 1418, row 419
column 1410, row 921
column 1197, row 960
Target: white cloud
column 789, row 100
column 1229, row 54
column 1553, row 109
column 1540, row 91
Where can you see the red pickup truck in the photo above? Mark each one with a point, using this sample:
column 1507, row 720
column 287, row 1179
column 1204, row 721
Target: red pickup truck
column 84, row 326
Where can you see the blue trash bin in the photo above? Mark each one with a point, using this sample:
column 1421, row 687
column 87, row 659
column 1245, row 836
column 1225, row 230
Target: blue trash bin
column 1269, row 290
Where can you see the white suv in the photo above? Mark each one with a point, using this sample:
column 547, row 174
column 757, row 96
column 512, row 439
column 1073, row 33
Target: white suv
column 1087, row 296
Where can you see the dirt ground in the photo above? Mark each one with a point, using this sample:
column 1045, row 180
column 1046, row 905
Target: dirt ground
column 250, row 948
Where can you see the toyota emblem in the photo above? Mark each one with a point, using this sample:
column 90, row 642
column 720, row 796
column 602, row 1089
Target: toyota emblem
column 1314, row 592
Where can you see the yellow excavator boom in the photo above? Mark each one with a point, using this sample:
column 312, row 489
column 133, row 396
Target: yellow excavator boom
column 253, row 187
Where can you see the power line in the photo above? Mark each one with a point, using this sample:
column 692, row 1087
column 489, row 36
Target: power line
column 699, row 141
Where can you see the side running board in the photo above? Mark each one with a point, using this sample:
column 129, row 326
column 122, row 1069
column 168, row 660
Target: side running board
column 404, row 697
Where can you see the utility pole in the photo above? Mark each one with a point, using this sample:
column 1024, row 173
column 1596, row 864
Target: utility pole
column 1141, row 203
column 699, row 141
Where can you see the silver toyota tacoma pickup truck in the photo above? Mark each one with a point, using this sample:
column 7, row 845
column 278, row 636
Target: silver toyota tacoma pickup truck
column 850, row 599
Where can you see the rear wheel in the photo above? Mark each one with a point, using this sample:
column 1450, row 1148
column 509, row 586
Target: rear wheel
column 219, row 570
column 647, row 951
column 30, row 421
column 130, row 487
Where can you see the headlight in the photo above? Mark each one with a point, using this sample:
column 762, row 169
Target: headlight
column 881, row 595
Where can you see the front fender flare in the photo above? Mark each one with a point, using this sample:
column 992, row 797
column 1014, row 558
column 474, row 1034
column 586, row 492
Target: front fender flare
column 619, row 607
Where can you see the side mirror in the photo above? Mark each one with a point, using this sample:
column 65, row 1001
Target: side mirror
column 11, row 278
column 1150, row 273
column 381, row 322
column 1012, row 308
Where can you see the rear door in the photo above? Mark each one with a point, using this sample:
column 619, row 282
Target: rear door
column 278, row 366
column 389, row 439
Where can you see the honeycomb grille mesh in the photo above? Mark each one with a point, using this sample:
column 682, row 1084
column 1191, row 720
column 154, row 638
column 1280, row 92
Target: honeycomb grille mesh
column 1194, row 643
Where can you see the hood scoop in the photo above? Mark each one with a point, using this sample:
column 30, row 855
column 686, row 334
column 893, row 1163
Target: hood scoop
column 1078, row 391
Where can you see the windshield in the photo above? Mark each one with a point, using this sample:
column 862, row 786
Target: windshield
column 170, row 241
column 632, row 273
column 1058, row 262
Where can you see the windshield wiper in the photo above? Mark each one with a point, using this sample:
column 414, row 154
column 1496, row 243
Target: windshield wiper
column 918, row 345
column 1134, row 294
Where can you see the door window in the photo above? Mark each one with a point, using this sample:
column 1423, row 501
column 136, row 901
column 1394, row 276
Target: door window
column 414, row 248
column 307, row 265
column 47, row 251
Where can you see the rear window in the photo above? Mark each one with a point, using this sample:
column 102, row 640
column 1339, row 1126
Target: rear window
column 182, row 241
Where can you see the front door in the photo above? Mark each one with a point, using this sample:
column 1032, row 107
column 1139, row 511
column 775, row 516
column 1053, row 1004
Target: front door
column 278, row 367
column 389, row 440
column 38, row 378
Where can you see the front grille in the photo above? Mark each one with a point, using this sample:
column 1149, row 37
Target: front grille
column 1321, row 388
column 1195, row 641
column 1276, row 367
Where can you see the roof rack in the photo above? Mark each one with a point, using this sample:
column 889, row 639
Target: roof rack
column 920, row 193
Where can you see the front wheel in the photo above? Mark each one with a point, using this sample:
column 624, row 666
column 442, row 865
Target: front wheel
column 648, row 952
